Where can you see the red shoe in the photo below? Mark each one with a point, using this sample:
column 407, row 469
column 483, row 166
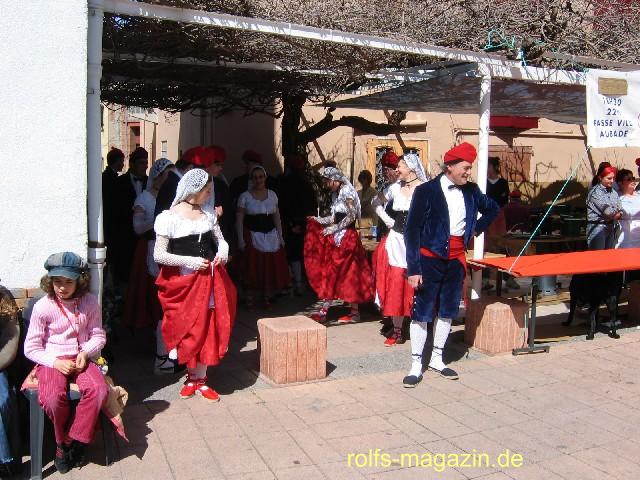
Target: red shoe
column 395, row 338
column 189, row 388
column 320, row 316
column 207, row 392
column 350, row 317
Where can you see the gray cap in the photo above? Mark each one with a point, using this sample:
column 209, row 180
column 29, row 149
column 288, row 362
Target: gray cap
column 65, row 264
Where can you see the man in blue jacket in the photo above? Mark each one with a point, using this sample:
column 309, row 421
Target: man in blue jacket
column 442, row 219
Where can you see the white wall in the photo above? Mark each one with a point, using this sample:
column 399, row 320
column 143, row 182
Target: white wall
column 43, row 185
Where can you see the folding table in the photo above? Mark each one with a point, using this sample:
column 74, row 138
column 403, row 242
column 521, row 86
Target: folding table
column 591, row 261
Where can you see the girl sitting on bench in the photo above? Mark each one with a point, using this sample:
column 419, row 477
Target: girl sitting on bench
column 65, row 331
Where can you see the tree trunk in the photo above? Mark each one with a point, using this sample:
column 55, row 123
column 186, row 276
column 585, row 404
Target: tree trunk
column 292, row 113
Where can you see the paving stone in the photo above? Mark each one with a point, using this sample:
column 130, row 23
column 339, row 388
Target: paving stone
column 279, row 450
column 439, row 423
column 611, row 464
column 309, row 472
column 356, row 426
column 192, row 461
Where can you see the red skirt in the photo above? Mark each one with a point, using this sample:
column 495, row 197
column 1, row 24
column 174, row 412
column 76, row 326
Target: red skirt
column 337, row 271
column 141, row 306
column 267, row 271
column 393, row 289
column 200, row 334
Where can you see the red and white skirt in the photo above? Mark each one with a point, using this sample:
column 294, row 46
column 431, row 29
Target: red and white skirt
column 337, row 271
column 199, row 333
column 266, row 271
column 394, row 293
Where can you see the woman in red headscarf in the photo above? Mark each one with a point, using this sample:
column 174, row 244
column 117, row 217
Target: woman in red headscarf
column 603, row 210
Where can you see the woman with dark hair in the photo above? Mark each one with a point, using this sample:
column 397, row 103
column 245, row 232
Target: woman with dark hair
column 259, row 231
column 604, row 210
column 630, row 201
column 336, row 263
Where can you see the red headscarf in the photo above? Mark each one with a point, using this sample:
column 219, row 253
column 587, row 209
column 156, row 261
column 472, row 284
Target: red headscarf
column 607, row 170
column 465, row 151
column 638, row 161
column 252, row 156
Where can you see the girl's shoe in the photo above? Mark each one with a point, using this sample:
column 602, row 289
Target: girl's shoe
column 189, row 388
column 320, row 316
column 62, row 461
column 76, row 454
column 395, row 338
column 207, row 392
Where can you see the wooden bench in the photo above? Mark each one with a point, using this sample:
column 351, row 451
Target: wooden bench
column 292, row 349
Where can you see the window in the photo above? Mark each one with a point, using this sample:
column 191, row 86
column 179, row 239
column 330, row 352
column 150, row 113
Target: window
column 163, row 149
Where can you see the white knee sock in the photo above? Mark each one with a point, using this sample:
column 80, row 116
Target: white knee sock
column 419, row 333
column 441, row 331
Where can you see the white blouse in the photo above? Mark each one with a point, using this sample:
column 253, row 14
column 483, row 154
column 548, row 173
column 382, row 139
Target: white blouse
column 143, row 222
column 263, row 242
column 395, row 247
column 630, row 222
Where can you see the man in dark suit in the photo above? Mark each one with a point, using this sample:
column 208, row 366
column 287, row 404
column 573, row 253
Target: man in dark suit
column 442, row 220
column 115, row 164
column 128, row 187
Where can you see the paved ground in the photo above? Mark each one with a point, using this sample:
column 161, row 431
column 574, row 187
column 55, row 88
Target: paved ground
column 571, row 413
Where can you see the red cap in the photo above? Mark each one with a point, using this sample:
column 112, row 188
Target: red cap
column 390, row 159
column 638, row 161
column 252, row 156
column 199, row 156
column 465, row 151
column 219, row 155
column 515, row 194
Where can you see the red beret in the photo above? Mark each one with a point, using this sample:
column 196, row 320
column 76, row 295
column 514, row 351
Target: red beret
column 390, row 159
column 638, row 161
column 465, row 151
column 199, row 156
column 219, row 155
column 252, row 156
column 515, row 194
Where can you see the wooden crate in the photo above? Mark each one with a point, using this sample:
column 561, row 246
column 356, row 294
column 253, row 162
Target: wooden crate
column 495, row 325
column 292, row 349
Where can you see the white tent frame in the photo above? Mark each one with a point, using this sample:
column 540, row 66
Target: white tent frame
column 489, row 66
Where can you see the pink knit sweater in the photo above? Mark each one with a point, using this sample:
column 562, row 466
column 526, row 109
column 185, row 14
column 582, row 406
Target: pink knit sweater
column 52, row 335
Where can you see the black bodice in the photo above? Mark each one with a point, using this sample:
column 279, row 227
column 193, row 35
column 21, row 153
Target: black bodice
column 400, row 218
column 261, row 222
column 196, row 245
column 338, row 216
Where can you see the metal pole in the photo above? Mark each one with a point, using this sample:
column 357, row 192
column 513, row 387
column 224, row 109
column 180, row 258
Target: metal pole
column 483, row 155
column 96, row 248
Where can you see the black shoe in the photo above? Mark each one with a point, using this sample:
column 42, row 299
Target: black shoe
column 62, row 461
column 76, row 454
column 446, row 372
column 165, row 365
column 410, row 381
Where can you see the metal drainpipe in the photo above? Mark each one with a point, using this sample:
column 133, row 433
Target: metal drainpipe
column 483, row 154
column 96, row 248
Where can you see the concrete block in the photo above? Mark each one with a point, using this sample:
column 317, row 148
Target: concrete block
column 495, row 325
column 633, row 309
column 292, row 349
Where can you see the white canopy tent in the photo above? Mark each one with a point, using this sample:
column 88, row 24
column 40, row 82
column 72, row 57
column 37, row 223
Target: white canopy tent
column 490, row 79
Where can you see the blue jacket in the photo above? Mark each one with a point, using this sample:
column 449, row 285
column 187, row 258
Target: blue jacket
column 428, row 221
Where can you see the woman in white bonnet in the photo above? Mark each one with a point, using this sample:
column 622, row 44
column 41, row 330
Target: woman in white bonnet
column 192, row 253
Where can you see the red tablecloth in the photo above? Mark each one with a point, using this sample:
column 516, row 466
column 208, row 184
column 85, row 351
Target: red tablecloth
column 592, row 261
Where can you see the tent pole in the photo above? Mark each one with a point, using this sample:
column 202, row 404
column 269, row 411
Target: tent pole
column 96, row 249
column 483, row 155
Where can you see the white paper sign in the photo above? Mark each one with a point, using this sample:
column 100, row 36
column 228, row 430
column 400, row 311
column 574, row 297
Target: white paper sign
column 613, row 120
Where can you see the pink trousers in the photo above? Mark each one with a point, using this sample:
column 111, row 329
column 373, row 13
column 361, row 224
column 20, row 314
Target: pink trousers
column 52, row 395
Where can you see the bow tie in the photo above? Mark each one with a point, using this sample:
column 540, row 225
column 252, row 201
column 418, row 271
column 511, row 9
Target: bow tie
column 451, row 187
